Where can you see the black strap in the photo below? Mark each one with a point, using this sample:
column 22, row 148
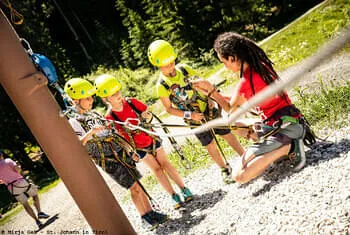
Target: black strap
column 165, row 85
column 183, row 71
column 133, row 107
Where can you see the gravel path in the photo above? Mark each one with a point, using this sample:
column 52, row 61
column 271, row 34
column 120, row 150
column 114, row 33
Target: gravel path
column 315, row 200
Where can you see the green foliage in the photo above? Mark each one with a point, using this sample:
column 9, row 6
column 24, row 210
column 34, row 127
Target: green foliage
column 328, row 105
column 139, row 83
column 302, row 38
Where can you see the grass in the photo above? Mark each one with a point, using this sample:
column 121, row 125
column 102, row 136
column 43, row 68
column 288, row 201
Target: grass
column 328, row 106
column 302, row 38
column 297, row 42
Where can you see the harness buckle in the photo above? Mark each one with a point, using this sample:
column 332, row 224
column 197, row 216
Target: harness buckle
column 258, row 127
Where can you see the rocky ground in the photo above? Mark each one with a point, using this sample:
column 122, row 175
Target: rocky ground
column 315, row 200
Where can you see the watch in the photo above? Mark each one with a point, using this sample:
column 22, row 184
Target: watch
column 187, row 114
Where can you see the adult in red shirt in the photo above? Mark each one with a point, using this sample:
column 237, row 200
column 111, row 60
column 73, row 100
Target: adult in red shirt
column 149, row 148
column 240, row 54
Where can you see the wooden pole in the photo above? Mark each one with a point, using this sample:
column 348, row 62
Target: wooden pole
column 28, row 91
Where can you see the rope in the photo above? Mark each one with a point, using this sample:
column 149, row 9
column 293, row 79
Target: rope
column 290, row 79
column 16, row 17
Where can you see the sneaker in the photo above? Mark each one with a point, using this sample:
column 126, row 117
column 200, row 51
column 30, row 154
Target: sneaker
column 159, row 217
column 177, row 201
column 226, row 173
column 39, row 224
column 297, row 156
column 149, row 222
column 42, row 215
column 186, row 193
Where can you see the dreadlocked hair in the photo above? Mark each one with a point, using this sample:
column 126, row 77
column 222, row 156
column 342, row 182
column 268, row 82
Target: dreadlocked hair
column 235, row 45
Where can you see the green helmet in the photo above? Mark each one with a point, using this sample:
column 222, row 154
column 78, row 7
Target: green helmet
column 161, row 53
column 106, row 85
column 78, row 88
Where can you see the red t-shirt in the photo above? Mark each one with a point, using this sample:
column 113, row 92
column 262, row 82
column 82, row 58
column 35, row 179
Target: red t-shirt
column 269, row 106
column 141, row 139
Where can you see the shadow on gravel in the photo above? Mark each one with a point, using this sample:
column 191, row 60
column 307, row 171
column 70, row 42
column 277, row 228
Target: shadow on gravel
column 48, row 222
column 321, row 151
column 188, row 220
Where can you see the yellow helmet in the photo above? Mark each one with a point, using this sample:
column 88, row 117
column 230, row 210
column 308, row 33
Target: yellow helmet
column 78, row 88
column 106, row 85
column 161, row 53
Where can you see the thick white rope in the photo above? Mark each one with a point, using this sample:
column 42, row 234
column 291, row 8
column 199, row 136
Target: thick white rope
column 290, row 79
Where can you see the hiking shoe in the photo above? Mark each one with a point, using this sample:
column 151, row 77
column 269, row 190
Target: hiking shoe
column 226, row 173
column 177, row 201
column 186, row 193
column 297, row 156
column 148, row 222
column 39, row 224
column 159, row 217
column 42, row 215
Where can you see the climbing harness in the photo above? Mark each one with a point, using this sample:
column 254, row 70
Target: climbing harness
column 183, row 160
column 12, row 185
column 180, row 99
column 44, row 65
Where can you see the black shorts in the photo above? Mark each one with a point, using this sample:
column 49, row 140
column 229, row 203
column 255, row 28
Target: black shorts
column 206, row 137
column 149, row 149
column 123, row 175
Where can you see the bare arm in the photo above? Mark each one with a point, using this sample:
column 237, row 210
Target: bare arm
column 84, row 139
column 207, row 88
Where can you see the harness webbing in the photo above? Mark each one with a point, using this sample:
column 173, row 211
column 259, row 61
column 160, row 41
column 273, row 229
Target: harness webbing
column 12, row 184
column 129, row 132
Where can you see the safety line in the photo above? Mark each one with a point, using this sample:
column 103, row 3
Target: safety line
column 290, row 79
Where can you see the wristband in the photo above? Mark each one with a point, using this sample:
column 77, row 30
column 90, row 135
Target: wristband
column 187, row 114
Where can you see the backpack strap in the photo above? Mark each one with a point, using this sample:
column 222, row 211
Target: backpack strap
column 183, row 71
column 133, row 107
column 164, row 84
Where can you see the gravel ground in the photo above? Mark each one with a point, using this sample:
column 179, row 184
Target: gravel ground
column 315, row 200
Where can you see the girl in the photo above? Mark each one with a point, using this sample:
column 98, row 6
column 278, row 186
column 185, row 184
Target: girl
column 280, row 119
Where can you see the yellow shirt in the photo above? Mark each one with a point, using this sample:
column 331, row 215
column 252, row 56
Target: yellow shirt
column 178, row 81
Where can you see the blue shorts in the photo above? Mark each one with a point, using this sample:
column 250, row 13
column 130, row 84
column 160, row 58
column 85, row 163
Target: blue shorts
column 142, row 153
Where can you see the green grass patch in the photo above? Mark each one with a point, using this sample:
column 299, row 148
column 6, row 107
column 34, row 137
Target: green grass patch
column 302, row 38
column 328, row 105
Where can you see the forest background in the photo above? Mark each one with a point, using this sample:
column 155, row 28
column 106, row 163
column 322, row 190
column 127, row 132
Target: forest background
column 85, row 38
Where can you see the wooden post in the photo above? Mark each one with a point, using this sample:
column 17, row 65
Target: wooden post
column 28, row 91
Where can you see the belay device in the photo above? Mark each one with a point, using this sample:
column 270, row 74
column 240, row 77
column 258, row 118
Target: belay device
column 43, row 64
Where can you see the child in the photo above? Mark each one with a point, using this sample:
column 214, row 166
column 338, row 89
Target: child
column 280, row 126
column 103, row 147
column 180, row 100
column 148, row 147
